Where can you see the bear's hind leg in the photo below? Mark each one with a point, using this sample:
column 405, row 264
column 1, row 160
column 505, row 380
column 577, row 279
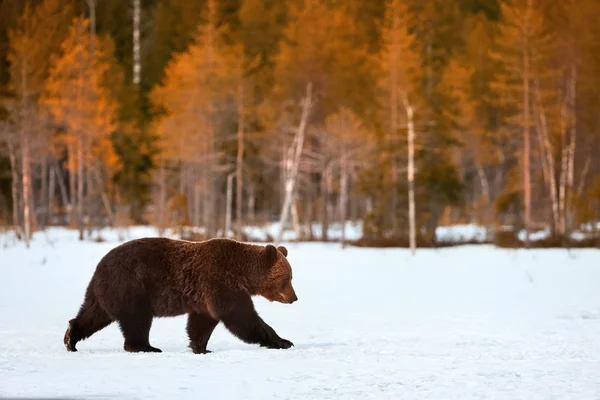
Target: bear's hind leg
column 90, row 319
column 199, row 329
column 136, row 331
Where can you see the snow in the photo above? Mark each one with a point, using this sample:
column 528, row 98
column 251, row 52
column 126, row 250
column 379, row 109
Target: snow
column 470, row 322
column 461, row 233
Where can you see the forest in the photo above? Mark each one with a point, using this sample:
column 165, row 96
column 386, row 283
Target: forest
column 219, row 114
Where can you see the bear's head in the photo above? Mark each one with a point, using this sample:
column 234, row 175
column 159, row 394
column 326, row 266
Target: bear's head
column 277, row 285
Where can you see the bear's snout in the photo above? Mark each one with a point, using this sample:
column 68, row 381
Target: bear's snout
column 292, row 299
column 289, row 295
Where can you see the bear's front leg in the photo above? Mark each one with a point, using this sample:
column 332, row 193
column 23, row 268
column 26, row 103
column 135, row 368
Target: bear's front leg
column 244, row 322
column 199, row 329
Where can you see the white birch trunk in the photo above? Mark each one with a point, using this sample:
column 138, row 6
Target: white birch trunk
column 26, row 184
column 412, row 234
column 291, row 179
column 563, row 166
column 25, row 160
column 137, row 64
column 547, row 158
column 344, row 194
column 15, row 188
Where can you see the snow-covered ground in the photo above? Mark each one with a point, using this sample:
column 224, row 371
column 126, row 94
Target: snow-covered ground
column 471, row 322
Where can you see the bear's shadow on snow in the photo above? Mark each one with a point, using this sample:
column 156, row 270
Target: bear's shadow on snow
column 178, row 350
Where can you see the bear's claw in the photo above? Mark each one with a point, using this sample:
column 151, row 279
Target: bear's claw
column 281, row 344
column 68, row 340
column 141, row 349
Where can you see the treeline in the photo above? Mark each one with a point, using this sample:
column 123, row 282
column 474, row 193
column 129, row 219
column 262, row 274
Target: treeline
column 221, row 113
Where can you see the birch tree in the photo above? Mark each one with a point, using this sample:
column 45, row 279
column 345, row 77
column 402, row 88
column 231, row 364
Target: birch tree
column 521, row 38
column 400, row 62
column 294, row 162
column 347, row 133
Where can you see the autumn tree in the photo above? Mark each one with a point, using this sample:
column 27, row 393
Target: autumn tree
column 400, row 63
column 190, row 99
column 521, row 39
column 29, row 59
column 78, row 101
column 317, row 34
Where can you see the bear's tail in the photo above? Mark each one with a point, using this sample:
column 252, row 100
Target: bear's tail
column 90, row 319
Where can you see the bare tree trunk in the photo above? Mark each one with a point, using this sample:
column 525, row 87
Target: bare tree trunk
column 162, row 202
column 412, row 235
column 61, row 185
column 526, row 167
column 72, row 177
column 240, row 149
column 291, row 180
column 80, row 170
column 547, row 157
column 15, row 188
column 295, row 218
column 485, row 190
column 43, row 201
column 309, row 209
column 137, row 64
column 251, row 203
column 229, row 200
column 209, row 195
column 51, row 191
column 196, row 205
column 572, row 144
column 325, row 208
column 563, row 165
column 344, row 194
column 26, row 183
column 584, row 172
column 104, row 196
column 394, row 124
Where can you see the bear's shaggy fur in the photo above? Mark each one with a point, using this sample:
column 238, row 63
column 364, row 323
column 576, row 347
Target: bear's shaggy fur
column 211, row 281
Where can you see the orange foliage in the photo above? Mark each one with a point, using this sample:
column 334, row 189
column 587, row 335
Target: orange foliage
column 76, row 97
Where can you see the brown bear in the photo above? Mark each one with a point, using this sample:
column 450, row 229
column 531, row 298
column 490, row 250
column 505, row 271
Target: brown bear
column 211, row 281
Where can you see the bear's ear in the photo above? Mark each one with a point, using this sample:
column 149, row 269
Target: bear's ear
column 271, row 253
column 283, row 250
